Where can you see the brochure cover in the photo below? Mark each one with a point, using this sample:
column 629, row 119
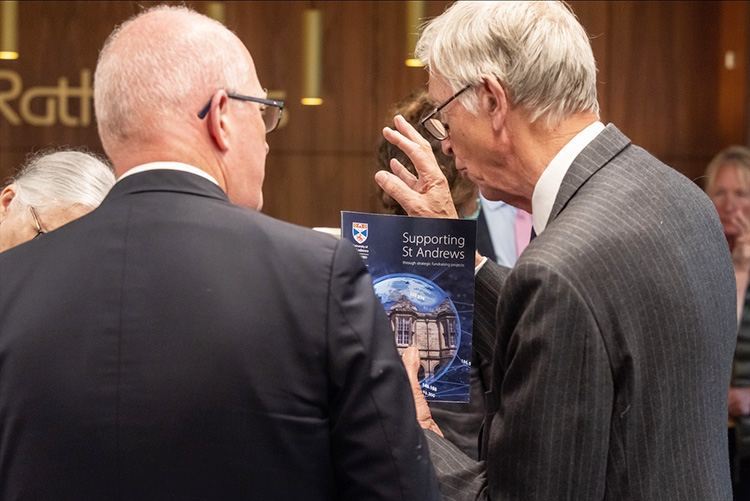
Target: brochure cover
column 423, row 273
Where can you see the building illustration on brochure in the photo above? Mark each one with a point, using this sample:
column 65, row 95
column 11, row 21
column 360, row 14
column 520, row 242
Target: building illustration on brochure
column 423, row 273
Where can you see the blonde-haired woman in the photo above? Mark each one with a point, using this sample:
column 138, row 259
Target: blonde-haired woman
column 728, row 185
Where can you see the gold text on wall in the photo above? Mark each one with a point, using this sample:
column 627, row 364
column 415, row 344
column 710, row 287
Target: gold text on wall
column 46, row 106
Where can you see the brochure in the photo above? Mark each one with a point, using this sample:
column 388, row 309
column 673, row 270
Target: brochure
column 423, row 273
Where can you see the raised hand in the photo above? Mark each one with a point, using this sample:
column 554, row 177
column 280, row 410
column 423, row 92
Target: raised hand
column 739, row 401
column 741, row 251
column 425, row 195
column 741, row 258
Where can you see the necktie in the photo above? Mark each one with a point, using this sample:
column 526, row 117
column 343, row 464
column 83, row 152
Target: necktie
column 522, row 229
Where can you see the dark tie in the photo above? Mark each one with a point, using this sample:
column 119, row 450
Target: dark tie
column 533, row 234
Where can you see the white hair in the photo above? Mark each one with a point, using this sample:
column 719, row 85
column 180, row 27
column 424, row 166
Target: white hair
column 538, row 51
column 150, row 77
column 62, row 179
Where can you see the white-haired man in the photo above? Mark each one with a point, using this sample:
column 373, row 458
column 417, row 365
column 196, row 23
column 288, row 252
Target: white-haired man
column 615, row 330
column 51, row 189
column 174, row 345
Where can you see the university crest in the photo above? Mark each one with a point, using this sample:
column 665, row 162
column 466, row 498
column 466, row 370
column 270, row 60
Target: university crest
column 359, row 232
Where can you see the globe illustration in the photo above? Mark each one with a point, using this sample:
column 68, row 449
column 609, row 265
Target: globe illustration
column 422, row 315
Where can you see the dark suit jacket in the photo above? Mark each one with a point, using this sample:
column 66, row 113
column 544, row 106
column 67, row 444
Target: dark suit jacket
column 615, row 332
column 171, row 345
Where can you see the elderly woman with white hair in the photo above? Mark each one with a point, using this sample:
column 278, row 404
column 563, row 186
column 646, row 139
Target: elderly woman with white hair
column 51, row 190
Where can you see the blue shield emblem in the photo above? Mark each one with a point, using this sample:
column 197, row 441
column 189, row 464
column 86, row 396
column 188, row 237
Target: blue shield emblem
column 359, row 232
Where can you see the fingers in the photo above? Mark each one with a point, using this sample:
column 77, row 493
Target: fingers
column 737, row 409
column 742, row 222
column 428, row 193
column 398, row 189
column 408, row 130
column 737, row 218
column 403, row 173
column 405, row 136
column 412, row 361
column 741, row 251
column 430, row 201
column 739, row 401
column 419, row 151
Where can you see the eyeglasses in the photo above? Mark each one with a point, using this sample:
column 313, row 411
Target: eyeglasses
column 271, row 110
column 39, row 230
column 432, row 121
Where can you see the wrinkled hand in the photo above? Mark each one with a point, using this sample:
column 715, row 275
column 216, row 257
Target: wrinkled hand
column 411, row 361
column 739, row 401
column 428, row 195
column 741, row 251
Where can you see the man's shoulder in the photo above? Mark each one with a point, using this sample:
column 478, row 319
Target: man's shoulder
column 291, row 235
column 297, row 244
column 635, row 188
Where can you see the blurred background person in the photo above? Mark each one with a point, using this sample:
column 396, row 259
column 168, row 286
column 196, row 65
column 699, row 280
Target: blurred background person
column 503, row 231
column 50, row 190
column 728, row 185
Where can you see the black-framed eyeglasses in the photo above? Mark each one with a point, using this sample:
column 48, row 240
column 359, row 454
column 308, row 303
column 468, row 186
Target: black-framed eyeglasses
column 271, row 110
column 39, row 230
column 432, row 121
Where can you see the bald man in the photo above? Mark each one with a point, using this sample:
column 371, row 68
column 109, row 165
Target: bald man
column 176, row 343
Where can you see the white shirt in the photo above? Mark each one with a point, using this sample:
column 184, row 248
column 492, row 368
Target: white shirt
column 169, row 166
column 501, row 219
column 549, row 182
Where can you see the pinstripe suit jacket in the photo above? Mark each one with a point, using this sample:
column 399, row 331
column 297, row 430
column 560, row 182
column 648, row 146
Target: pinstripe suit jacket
column 614, row 341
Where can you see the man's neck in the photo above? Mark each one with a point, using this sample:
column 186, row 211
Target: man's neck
column 128, row 158
column 541, row 145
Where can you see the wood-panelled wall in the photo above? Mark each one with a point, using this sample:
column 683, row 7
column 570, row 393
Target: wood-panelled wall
column 672, row 75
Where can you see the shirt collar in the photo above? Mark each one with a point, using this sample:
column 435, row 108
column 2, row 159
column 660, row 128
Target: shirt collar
column 169, row 166
column 549, row 182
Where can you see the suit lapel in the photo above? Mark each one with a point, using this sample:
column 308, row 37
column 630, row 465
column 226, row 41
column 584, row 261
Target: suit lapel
column 607, row 145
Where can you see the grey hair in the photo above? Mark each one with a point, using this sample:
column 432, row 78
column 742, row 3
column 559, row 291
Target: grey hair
column 144, row 84
column 62, row 179
column 538, row 51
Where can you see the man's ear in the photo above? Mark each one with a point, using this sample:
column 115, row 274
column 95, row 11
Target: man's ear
column 494, row 100
column 6, row 197
column 218, row 120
